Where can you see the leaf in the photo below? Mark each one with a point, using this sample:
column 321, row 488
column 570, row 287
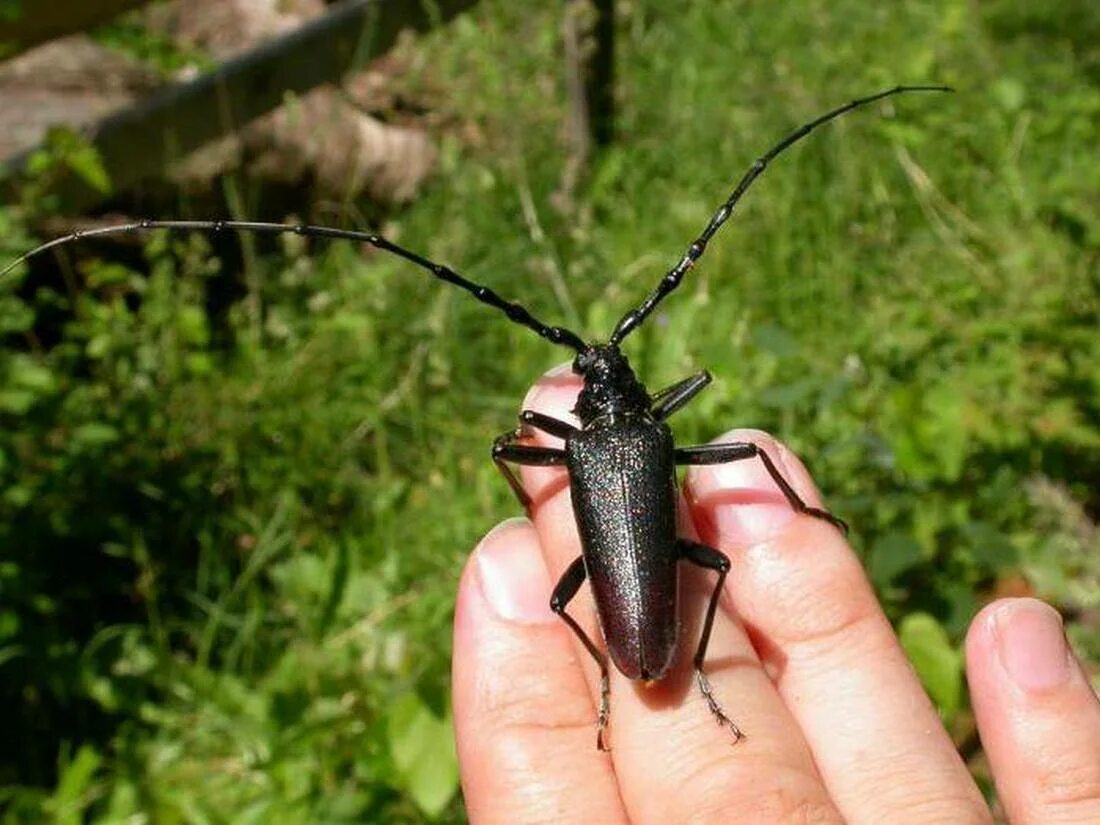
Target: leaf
column 88, row 166
column 772, row 338
column 422, row 747
column 74, row 152
column 928, row 433
column 72, row 794
column 891, row 555
column 95, row 434
column 937, row 662
column 11, row 10
column 991, row 549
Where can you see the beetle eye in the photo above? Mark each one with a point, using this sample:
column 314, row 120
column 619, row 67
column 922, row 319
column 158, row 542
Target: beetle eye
column 582, row 362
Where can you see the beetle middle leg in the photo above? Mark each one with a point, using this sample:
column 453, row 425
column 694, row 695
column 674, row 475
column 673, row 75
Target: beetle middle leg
column 505, row 449
column 709, row 559
column 741, row 450
column 564, row 592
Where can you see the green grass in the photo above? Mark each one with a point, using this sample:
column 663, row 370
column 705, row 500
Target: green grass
column 231, row 543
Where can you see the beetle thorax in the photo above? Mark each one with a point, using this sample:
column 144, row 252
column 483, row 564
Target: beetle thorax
column 610, row 386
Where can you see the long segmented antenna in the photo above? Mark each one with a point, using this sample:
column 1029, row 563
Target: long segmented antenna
column 515, row 312
column 675, row 275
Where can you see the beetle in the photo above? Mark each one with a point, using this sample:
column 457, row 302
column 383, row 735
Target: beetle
column 621, row 460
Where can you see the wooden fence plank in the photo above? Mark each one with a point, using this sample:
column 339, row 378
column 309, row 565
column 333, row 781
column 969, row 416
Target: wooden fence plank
column 144, row 140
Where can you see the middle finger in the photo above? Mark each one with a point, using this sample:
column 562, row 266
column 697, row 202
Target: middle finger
column 672, row 761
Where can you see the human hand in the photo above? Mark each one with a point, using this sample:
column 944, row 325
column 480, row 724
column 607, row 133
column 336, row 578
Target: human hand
column 838, row 727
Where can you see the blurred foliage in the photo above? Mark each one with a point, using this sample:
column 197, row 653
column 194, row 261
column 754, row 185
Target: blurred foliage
column 233, row 507
column 11, row 10
column 129, row 35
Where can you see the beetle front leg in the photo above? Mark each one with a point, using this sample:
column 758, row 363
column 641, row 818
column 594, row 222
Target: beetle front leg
column 506, row 449
column 670, row 399
column 564, row 592
column 739, row 451
column 554, row 426
column 709, row 559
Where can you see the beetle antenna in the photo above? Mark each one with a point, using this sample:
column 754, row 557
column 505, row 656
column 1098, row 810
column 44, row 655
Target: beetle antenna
column 675, row 275
column 515, row 312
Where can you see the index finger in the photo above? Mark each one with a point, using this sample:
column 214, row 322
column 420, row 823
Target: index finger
column 672, row 762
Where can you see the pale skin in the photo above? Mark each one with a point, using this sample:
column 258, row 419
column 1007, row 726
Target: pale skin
column 838, row 728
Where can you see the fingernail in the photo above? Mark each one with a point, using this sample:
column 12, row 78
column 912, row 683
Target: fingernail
column 1031, row 644
column 555, row 393
column 560, row 370
column 559, row 379
column 741, row 498
column 512, row 574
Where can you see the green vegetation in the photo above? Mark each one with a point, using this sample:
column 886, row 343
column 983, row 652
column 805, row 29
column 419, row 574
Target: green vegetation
column 232, row 526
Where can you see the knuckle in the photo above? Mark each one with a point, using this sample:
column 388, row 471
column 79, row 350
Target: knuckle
column 820, row 599
column 1069, row 788
column 532, row 704
column 934, row 805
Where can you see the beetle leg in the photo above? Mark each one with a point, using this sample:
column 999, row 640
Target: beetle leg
column 564, row 592
column 709, row 559
column 740, row 450
column 506, row 449
column 561, row 429
column 670, row 399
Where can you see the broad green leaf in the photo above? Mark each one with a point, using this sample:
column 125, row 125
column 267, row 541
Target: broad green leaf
column 72, row 794
column 95, row 434
column 936, row 661
column 893, row 554
column 11, row 10
column 422, row 746
column 88, row 166
column 991, row 549
column 773, row 339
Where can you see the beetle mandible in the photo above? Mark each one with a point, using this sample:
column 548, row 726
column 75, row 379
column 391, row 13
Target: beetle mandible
column 621, row 461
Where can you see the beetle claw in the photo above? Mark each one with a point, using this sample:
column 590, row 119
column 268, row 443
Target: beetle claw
column 604, row 714
column 839, row 523
column 720, row 716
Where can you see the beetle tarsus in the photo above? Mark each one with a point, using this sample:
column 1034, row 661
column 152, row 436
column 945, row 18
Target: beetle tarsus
column 839, row 523
column 564, row 591
column 709, row 559
column 500, row 443
column 716, row 709
column 603, row 716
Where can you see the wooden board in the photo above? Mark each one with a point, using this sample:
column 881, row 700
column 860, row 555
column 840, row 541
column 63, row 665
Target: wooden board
column 144, row 140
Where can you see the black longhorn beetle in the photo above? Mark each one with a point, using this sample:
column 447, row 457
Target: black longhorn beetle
column 621, row 460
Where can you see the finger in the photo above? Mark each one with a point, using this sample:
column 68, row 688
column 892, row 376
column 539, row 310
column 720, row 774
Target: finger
column 1038, row 716
column 523, row 713
column 836, row 662
column 673, row 763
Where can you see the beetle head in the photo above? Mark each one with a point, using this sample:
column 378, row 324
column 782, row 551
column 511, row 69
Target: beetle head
column 610, row 385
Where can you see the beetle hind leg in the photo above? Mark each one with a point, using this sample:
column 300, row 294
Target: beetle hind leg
column 564, row 592
column 709, row 559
